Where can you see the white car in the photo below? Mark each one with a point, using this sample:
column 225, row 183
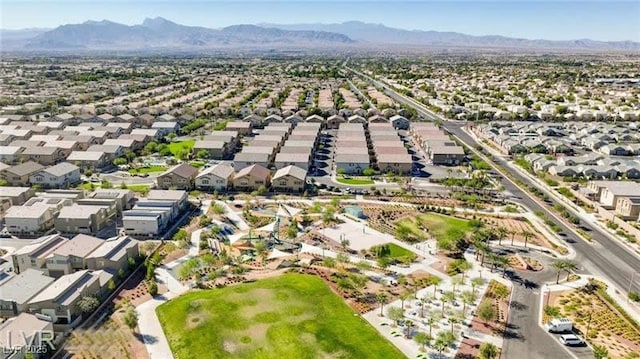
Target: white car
column 571, row 340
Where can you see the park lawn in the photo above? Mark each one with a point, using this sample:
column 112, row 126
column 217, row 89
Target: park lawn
column 353, row 181
column 290, row 316
column 444, row 226
column 176, row 147
column 150, row 169
column 399, row 252
column 412, row 227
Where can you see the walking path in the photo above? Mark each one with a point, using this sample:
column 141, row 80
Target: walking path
column 148, row 324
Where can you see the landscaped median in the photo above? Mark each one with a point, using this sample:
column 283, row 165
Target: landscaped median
column 290, row 316
column 596, row 316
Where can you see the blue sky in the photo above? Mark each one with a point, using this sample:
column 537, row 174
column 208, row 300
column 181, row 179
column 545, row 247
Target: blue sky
column 533, row 19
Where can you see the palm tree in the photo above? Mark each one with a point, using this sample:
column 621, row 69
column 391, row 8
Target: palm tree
column 527, row 235
column 433, row 319
column 422, row 301
column 513, row 236
column 559, row 266
column 476, row 282
column 452, row 320
column 456, row 281
column 382, row 299
column 502, row 262
column 570, row 266
column 423, row 339
column 501, row 233
column 464, row 267
column 488, row 351
column 405, row 296
column 467, row 297
column 447, row 297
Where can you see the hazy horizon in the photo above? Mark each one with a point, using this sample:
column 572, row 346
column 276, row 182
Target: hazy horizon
column 559, row 20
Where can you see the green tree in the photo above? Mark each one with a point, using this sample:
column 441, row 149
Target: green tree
column 467, row 297
column 423, row 339
column 130, row 317
column 488, row 351
column 368, row 172
column 202, row 154
column 111, row 285
column 88, row 304
column 153, row 288
column 486, row 312
column 395, row 313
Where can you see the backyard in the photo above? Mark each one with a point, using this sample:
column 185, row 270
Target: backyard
column 291, row 316
column 177, row 147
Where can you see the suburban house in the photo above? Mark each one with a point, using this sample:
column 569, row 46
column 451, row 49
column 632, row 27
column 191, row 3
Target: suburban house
column 610, row 194
column 71, row 255
column 289, row 179
column 45, row 156
column 18, row 175
column 78, row 218
column 59, row 301
column 251, row 178
column 10, row 154
column 19, row 336
column 113, row 254
column 181, row 176
column 214, row 149
column 215, row 178
column 35, row 255
column 166, row 127
column 30, row 220
column 62, row 175
column 149, row 218
column 399, row 122
column 628, row 207
column 16, row 195
column 88, row 160
column 351, row 164
column 19, row 289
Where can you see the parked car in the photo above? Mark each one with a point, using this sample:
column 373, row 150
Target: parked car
column 571, row 340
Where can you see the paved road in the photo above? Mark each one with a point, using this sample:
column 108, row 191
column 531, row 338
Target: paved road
column 604, row 257
column 524, row 338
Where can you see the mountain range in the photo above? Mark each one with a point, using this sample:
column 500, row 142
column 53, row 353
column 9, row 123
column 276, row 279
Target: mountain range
column 161, row 34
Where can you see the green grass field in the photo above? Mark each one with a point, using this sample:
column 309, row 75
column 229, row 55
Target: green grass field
column 176, row 147
column 290, row 316
column 150, row 169
column 397, row 251
column 444, row 226
column 354, row 181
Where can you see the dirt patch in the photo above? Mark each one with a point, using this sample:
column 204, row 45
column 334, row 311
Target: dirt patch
column 442, row 264
column 468, row 349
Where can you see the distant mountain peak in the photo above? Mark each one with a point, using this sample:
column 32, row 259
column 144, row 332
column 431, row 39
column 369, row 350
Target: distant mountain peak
column 157, row 22
column 101, row 22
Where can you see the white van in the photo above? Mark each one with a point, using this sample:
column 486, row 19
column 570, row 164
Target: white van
column 571, row 340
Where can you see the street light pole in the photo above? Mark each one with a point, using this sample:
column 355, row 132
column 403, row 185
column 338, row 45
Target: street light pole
column 548, row 291
column 630, row 283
